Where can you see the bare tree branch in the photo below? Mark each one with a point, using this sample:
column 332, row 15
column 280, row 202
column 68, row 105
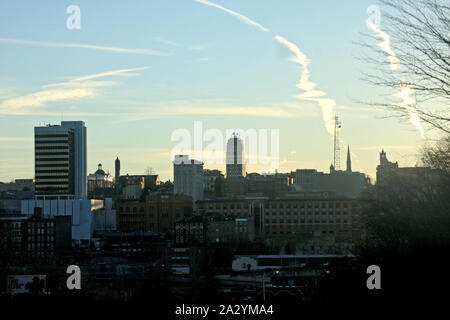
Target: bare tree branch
column 420, row 38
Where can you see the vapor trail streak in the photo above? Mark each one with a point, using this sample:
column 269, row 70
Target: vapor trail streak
column 405, row 92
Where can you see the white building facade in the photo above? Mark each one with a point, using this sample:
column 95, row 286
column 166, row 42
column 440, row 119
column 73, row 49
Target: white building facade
column 235, row 165
column 84, row 214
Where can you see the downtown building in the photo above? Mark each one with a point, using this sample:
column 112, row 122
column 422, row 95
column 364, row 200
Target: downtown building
column 319, row 221
column 343, row 183
column 188, row 177
column 158, row 213
column 388, row 172
column 34, row 237
column 61, row 179
column 60, row 160
column 235, row 165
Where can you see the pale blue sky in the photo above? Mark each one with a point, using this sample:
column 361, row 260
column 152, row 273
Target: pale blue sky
column 186, row 57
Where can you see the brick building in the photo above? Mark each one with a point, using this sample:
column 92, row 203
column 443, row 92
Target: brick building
column 157, row 213
column 292, row 213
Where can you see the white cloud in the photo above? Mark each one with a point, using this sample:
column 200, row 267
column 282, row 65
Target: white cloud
column 108, row 74
column 40, row 98
column 215, row 108
column 76, row 89
column 15, row 139
column 387, row 147
column 87, row 46
column 234, row 13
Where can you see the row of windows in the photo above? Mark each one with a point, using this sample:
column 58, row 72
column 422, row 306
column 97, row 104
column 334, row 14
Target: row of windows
column 51, row 181
column 65, row 164
column 52, row 157
column 282, row 205
column 52, row 176
column 131, row 216
column 59, row 176
column 44, row 154
column 51, row 163
column 50, row 171
column 127, row 209
column 39, row 246
column 41, row 239
column 308, row 214
column 49, row 148
column 51, row 140
column 188, row 225
column 45, row 186
column 273, row 222
column 40, row 224
column 50, row 135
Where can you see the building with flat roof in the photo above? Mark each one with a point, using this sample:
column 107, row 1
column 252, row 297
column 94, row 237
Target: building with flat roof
column 157, row 213
column 389, row 171
column 212, row 181
column 82, row 214
column 188, row 177
column 294, row 214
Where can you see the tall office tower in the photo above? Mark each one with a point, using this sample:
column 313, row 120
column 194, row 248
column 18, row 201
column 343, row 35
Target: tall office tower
column 349, row 160
column 117, row 164
column 60, row 160
column 188, row 177
column 235, row 165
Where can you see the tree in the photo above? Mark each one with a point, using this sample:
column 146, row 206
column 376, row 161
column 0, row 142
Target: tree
column 408, row 222
column 437, row 156
column 419, row 38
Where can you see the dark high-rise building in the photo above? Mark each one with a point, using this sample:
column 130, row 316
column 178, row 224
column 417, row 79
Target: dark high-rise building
column 54, row 160
column 60, row 159
column 117, row 165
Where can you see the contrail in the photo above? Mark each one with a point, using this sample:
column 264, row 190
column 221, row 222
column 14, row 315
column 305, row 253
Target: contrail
column 408, row 103
column 385, row 45
column 310, row 93
column 234, row 13
column 406, row 91
column 86, row 46
column 304, row 84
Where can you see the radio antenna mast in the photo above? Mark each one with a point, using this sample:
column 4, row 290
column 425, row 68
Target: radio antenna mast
column 337, row 150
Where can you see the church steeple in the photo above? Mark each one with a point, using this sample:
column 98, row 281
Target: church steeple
column 349, row 160
column 117, row 165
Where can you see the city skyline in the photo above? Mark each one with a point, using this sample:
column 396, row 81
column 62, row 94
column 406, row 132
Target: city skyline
column 177, row 62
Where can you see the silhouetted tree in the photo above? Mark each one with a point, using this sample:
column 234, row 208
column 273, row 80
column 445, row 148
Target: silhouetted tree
column 408, row 222
column 419, row 36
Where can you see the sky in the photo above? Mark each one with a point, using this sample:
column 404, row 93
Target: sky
column 137, row 71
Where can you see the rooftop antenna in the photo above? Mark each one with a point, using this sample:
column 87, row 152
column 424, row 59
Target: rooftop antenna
column 337, row 150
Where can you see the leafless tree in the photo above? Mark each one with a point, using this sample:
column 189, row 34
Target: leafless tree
column 419, row 32
column 438, row 155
